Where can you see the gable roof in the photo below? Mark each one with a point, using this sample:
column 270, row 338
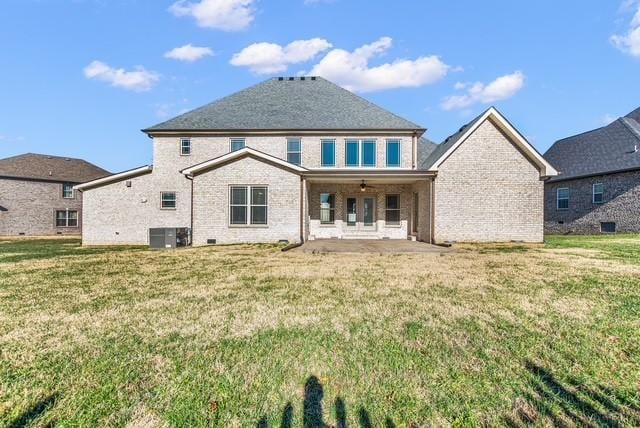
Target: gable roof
column 113, row 178
column 34, row 166
column 237, row 155
column 451, row 143
column 425, row 148
column 612, row 148
column 295, row 103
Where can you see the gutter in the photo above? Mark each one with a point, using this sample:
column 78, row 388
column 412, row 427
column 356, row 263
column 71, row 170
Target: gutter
column 190, row 178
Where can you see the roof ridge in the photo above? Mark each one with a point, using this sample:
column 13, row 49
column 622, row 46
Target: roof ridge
column 634, row 131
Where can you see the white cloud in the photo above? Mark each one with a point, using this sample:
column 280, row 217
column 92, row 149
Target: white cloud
column 267, row 58
column 630, row 42
column 500, row 89
column 188, row 53
column 351, row 69
column 607, row 119
column 226, row 15
column 138, row 80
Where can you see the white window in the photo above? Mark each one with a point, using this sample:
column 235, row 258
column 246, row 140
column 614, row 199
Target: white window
column 327, row 208
column 393, row 153
column 328, row 152
column 168, row 200
column 67, row 190
column 248, row 205
column 562, row 198
column 392, row 210
column 359, row 153
column 598, row 193
column 237, row 144
column 66, row 218
column 294, row 151
column 185, row 146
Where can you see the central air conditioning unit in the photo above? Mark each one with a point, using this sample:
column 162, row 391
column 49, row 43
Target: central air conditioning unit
column 169, row 237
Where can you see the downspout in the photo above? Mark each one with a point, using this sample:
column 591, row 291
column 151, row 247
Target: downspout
column 414, row 151
column 190, row 178
column 432, row 192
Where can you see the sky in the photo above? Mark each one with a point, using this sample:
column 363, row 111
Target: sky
column 81, row 78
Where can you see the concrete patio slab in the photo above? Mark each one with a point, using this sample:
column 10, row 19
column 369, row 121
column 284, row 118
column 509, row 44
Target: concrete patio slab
column 320, row 246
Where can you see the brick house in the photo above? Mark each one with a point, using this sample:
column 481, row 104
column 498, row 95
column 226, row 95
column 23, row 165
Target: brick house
column 597, row 189
column 37, row 196
column 295, row 159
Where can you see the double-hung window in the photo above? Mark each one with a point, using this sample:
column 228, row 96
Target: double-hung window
column 328, row 152
column 368, row 156
column 168, row 200
column 67, row 190
column 237, row 144
column 294, row 151
column 66, row 218
column 352, row 152
column 327, row 208
column 248, row 205
column 393, row 153
column 598, row 193
column 562, row 198
column 185, row 146
column 392, row 210
column 359, row 153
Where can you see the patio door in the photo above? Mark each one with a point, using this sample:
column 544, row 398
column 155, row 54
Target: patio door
column 360, row 213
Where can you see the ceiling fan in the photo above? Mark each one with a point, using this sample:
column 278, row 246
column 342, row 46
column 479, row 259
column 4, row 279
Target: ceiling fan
column 364, row 186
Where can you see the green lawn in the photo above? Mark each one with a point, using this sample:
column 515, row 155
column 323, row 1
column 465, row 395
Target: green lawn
column 240, row 336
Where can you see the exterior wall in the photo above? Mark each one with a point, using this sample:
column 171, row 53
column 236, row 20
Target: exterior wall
column 31, row 205
column 117, row 214
column 211, row 203
column 382, row 230
column 167, row 150
column 423, row 190
column 488, row 191
column 621, row 204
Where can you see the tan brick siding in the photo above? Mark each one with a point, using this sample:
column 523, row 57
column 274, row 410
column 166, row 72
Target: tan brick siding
column 211, row 203
column 29, row 207
column 487, row 190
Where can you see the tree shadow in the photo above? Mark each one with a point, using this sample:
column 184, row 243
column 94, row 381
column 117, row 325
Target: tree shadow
column 312, row 413
column 571, row 403
column 34, row 412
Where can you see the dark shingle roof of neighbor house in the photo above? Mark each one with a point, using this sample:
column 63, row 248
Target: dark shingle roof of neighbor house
column 612, row 148
column 309, row 103
column 50, row 168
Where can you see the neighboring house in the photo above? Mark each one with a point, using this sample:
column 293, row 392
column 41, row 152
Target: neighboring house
column 37, row 195
column 292, row 159
column 598, row 186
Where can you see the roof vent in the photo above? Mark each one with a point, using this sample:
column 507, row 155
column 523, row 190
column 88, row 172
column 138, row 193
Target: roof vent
column 50, row 173
column 313, row 77
column 281, row 78
column 292, row 78
column 302, row 78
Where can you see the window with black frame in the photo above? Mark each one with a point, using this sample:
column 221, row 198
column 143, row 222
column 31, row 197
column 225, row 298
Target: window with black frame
column 392, row 210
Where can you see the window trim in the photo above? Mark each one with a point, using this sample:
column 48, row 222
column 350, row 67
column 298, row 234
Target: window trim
column 175, row 200
column 387, row 209
column 73, row 195
column 375, row 152
column 298, row 152
column 248, row 220
column 322, row 143
column 182, row 146
column 231, row 141
column 615, row 227
column 331, row 210
column 386, row 154
column 593, row 194
column 348, row 141
column 558, row 198
column 67, row 211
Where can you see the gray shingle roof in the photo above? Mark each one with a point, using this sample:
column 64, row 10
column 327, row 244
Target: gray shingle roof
column 310, row 104
column 50, row 168
column 603, row 150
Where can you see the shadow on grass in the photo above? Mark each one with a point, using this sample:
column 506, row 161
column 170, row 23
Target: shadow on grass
column 34, row 412
column 312, row 411
column 571, row 403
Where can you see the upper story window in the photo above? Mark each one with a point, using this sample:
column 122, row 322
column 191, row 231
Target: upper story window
column 359, row 153
column 67, row 190
column 237, row 144
column 393, row 153
column 328, row 152
column 185, row 146
column 168, row 200
column 562, row 198
column 294, row 151
column 248, row 205
column 598, row 193
column 66, row 218
column 327, row 208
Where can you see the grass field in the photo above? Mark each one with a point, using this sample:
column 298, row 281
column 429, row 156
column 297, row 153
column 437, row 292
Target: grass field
column 249, row 336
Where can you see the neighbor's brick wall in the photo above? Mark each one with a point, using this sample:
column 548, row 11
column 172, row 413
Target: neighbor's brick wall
column 621, row 204
column 167, row 150
column 211, row 203
column 31, row 206
column 117, row 214
column 488, row 191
